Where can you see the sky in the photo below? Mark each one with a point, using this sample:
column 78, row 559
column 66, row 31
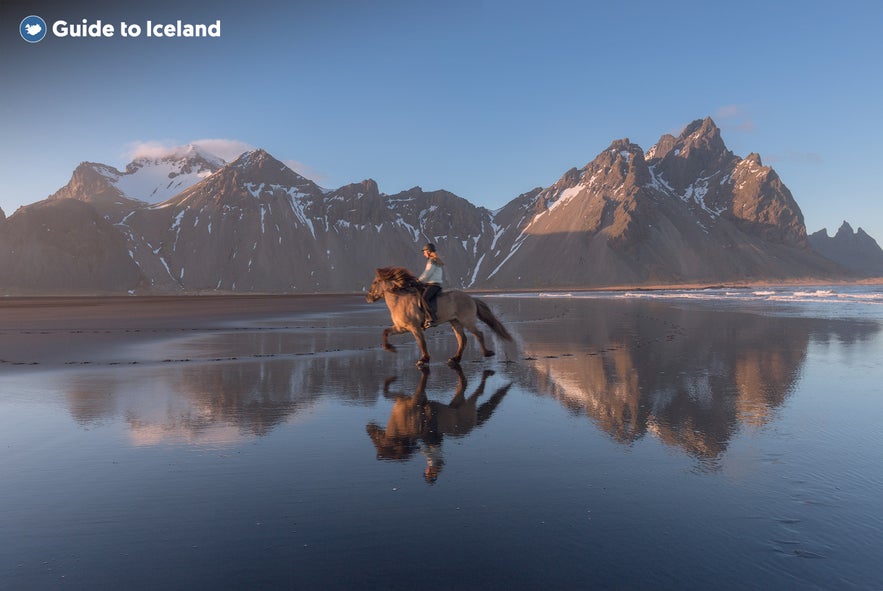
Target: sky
column 481, row 98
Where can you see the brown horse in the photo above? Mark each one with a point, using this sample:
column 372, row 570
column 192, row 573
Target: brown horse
column 401, row 290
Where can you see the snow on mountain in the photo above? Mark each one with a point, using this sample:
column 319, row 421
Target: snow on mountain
column 154, row 180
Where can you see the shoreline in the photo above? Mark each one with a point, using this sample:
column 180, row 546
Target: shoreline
column 7, row 297
column 52, row 331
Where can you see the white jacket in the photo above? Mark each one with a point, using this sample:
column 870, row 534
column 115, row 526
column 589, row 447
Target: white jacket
column 433, row 273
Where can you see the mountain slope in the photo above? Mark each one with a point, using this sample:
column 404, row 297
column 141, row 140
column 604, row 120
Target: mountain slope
column 63, row 246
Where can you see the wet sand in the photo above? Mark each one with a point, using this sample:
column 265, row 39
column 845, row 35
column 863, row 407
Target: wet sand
column 51, row 331
column 623, row 444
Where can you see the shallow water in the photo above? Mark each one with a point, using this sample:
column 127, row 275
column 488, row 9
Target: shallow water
column 627, row 443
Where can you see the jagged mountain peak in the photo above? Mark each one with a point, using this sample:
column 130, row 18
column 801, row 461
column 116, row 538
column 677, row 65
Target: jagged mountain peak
column 701, row 128
column 252, row 158
column 702, row 135
column 856, row 251
column 698, row 152
column 623, row 162
column 665, row 145
column 253, row 177
column 845, row 230
column 260, row 166
column 366, row 188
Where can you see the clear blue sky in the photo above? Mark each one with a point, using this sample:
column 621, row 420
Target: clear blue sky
column 484, row 99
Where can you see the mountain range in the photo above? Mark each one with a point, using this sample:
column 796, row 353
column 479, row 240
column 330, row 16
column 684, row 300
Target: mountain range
column 853, row 249
column 685, row 211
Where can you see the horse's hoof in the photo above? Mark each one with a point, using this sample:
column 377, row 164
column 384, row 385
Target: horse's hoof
column 489, row 353
column 453, row 362
column 389, row 348
column 422, row 363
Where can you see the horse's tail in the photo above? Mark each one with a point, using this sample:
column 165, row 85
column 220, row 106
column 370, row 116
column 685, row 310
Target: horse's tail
column 486, row 316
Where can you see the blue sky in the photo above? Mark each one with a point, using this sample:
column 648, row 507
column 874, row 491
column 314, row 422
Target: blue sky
column 484, row 99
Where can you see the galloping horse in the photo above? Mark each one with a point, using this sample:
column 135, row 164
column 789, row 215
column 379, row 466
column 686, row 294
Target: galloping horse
column 401, row 290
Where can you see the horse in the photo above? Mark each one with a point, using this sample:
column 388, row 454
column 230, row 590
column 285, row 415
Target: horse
column 417, row 423
column 401, row 290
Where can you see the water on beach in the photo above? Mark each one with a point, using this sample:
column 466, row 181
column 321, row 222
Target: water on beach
column 722, row 439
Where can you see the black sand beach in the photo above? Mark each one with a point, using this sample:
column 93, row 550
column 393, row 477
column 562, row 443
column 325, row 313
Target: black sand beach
column 70, row 330
column 245, row 442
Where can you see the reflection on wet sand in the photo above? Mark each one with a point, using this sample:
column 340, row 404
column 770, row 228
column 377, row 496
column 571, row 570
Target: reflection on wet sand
column 214, row 403
column 418, row 423
column 690, row 378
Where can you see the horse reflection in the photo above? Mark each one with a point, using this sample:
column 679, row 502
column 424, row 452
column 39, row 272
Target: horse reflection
column 416, row 422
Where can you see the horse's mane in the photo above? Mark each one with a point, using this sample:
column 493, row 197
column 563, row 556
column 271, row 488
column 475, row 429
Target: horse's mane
column 399, row 277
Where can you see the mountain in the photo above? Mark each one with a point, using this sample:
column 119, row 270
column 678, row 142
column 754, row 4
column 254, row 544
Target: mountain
column 686, row 211
column 63, row 246
column 856, row 251
column 256, row 225
column 148, row 180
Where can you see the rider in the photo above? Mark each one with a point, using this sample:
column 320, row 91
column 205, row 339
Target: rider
column 432, row 276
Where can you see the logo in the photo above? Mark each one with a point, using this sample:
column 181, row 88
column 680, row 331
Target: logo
column 32, row 29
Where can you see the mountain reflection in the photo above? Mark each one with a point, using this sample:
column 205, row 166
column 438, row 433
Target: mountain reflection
column 215, row 403
column 691, row 378
column 418, row 423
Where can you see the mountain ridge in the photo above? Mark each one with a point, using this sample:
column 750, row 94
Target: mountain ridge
column 686, row 211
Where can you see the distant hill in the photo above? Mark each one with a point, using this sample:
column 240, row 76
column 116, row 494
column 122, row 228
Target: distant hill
column 856, row 251
column 686, row 211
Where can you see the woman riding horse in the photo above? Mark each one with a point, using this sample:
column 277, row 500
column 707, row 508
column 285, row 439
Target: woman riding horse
column 402, row 293
column 432, row 277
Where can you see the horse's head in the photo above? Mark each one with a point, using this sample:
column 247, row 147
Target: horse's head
column 391, row 279
column 377, row 290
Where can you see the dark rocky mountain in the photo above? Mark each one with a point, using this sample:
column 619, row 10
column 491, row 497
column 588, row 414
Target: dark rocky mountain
column 856, row 251
column 687, row 211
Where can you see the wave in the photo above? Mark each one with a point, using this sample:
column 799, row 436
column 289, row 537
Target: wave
column 859, row 294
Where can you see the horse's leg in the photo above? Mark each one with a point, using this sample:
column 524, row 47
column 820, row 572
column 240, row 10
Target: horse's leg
column 473, row 328
column 421, row 342
column 461, row 342
column 386, row 333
